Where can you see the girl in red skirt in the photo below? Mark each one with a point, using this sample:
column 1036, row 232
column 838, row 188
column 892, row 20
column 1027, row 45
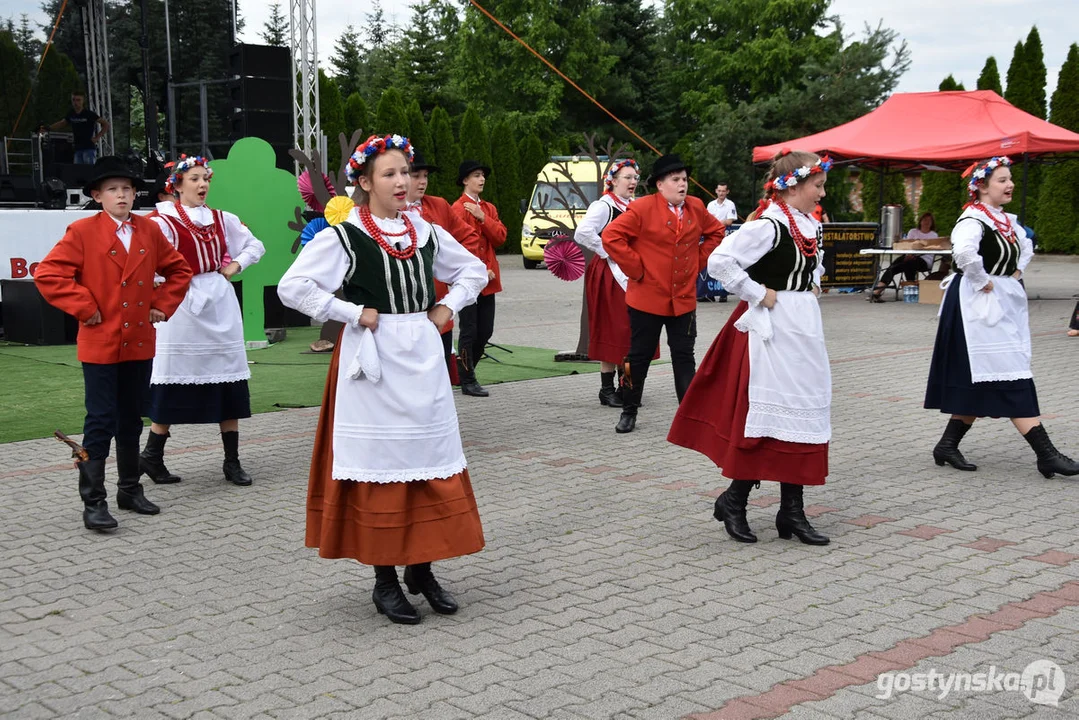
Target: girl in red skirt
column 605, row 283
column 760, row 404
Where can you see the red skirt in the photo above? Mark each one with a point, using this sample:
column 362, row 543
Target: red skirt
column 608, row 315
column 712, row 420
column 399, row 523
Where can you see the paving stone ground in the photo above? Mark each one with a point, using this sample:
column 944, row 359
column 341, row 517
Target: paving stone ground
column 606, row 589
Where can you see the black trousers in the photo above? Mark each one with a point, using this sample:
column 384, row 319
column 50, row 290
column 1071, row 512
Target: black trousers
column 909, row 266
column 644, row 336
column 477, row 323
column 115, row 399
column 1074, row 324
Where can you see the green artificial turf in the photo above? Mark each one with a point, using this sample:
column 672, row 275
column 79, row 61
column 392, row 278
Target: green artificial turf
column 45, row 393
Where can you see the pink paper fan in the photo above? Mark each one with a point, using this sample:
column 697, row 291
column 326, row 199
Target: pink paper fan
column 564, row 259
column 307, row 192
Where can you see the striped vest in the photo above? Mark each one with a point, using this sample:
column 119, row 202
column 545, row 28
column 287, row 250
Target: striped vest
column 999, row 256
column 376, row 279
column 203, row 257
column 784, row 267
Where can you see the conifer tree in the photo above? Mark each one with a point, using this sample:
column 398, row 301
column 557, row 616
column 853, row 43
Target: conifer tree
column 475, row 142
column 357, row 116
column 1035, row 74
column 13, row 85
column 346, row 62
column 504, row 187
column 1017, row 76
column 390, row 116
column 275, row 30
column 990, row 77
column 1058, row 198
column 448, row 154
column 417, row 130
column 533, row 158
column 331, row 118
column 950, row 83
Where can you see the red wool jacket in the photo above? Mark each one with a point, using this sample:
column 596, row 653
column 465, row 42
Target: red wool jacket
column 89, row 271
column 661, row 262
column 490, row 235
column 437, row 211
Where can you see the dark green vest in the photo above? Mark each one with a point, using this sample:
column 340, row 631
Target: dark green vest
column 784, row 267
column 376, row 279
column 999, row 256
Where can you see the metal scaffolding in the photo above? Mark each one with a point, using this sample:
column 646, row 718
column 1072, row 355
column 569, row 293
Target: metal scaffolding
column 99, row 87
column 306, row 133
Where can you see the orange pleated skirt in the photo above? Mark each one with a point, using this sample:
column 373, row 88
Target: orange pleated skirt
column 399, row 523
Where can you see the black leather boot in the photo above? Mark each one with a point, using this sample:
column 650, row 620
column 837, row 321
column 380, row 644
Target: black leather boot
column 1050, row 460
column 95, row 513
column 466, row 373
column 631, row 400
column 129, row 495
column 608, row 396
column 389, row 598
column 234, row 472
column 791, row 518
column 420, row 579
column 152, row 460
column 947, row 449
column 731, row 511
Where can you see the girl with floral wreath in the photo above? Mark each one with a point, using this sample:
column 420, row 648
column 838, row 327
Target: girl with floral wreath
column 605, row 283
column 200, row 370
column 760, row 404
column 388, row 484
column 981, row 359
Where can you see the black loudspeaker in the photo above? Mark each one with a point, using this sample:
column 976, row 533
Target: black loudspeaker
column 264, row 94
column 73, row 176
column 273, row 127
column 266, row 61
column 18, row 190
column 30, row 320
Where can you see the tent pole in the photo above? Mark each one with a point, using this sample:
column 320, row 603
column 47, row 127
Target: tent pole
column 1023, row 202
column 880, row 198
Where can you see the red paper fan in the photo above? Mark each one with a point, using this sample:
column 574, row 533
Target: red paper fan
column 564, row 259
column 307, row 192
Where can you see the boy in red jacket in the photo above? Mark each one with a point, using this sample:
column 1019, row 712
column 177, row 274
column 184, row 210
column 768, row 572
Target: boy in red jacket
column 102, row 273
column 477, row 321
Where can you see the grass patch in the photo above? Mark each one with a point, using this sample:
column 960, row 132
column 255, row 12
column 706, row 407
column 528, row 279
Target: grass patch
column 46, row 391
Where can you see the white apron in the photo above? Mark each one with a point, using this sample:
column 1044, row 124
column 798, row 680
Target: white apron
column 394, row 417
column 203, row 342
column 997, row 329
column 790, row 380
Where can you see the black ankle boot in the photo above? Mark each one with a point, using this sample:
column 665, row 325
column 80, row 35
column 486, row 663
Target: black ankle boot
column 152, row 460
column 420, row 579
column 731, row 511
column 466, row 373
column 390, row 600
column 791, row 518
column 95, row 513
column 947, row 449
column 1050, row 460
column 631, row 400
column 234, row 472
column 608, row 396
column 129, row 495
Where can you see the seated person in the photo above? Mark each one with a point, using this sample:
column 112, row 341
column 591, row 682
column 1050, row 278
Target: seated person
column 909, row 265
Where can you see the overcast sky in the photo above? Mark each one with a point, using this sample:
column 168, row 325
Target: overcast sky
column 944, row 36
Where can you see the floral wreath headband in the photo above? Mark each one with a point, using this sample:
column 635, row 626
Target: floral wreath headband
column 608, row 181
column 792, row 178
column 181, row 166
column 372, row 146
column 979, row 172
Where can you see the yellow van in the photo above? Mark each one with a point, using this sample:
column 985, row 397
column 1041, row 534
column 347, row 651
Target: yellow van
column 564, row 189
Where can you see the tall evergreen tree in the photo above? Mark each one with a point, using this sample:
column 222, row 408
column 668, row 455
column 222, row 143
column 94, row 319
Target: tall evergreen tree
column 630, row 30
column 357, row 116
column 346, row 62
column 895, row 193
column 275, row 30
column 56, row 81
column 1017, row 76
column 475, row 141
column 1058, row 198
column 950, row 83
column 331, row 118
column 504, row 187
column 13, row 86
column 990, row 77
column 1035, row 73
column 448, row 155
column 533, row 158
column 426, row 64
column 390, row 116
column 416, row 128
column 27, row 40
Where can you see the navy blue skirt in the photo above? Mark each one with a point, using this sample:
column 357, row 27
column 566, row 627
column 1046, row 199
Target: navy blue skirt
column 196, row 404
column 950, row 388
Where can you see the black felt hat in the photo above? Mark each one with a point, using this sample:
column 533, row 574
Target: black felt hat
column 663, row 167
column 468, row 167
column 111, row 166
column 420, row 163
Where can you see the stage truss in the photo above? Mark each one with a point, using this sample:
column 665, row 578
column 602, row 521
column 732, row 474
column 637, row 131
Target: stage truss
column 99, row 88
column 306, row 133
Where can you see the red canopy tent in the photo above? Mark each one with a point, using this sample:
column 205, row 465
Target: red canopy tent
column 943, row 129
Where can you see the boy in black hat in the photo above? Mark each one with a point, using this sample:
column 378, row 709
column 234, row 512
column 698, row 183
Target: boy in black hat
column 478, row 320
column 102, row 272
column 672, row 234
